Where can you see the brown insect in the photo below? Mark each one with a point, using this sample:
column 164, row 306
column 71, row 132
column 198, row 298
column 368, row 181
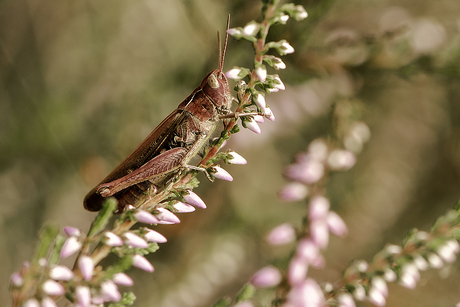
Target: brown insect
column 169, row 147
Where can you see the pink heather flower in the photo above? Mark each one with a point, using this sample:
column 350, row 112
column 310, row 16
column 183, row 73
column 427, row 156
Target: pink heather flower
column 308, row 172
column 380, row 284
column 167, row 217
column 233, row 32
column 307, row 293
column 252, row 125
column 447, row 253
column 281, row 234
column 222, row 174
column 244, row 304
column 360, row 292
column 319, row 233
column 32, row 303
column 145, row 217
column 251, row 29
column 269, row 114
column 86, row 266
column 346, row 300
column 260, row 101
column 48, row 302
column 71, row 246
column 236, row 158
column 142, row 263
column 308, row 250
column 112, row 239
column 393, row 249
column 233, row 73
column 83, row 295
column 109, row 291
column 154, row 236
column 390, row 275
column 60, row 272
column 420, row 263
column 376, row 297
column 16, row 279
column 297, row 271
column 122, row 279
column 181, row 207
column 293, row 191
column 134, row 240
column 97, row 300
column 278, row 63
column 410, row 276
column 259, row 119
column 435, row 261
column 454, row 245
column 286, row 48
column 317, row 150
column 336, row 225
column 279, row 84
column 261, row 73
column 72, row 231
column 266, row 277
column 340, row 159
column 194, row 200
column 319, row 208
column 52, row 287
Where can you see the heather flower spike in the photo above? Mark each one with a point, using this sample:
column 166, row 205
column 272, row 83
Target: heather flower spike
column 193, row 199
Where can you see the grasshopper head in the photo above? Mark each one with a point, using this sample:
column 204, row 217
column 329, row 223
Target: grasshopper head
column 215, row 86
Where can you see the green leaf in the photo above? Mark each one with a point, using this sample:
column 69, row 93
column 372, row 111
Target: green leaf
column 55, row 255
column 47, row 237
column 246, row 293
column 222, row 302
column 99, row 224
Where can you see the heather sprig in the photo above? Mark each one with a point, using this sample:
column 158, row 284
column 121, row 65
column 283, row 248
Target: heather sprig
column 43, row 281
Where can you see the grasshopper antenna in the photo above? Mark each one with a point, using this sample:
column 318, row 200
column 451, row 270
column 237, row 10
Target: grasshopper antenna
column 222, row 53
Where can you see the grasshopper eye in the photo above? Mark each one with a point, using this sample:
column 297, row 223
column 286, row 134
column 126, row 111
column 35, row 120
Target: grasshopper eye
column 212, row 81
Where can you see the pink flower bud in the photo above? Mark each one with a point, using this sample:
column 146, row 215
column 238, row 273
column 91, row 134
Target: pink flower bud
column 233, row 73
column 319, row 208
column 222, row 174
column 112, row 239
column 83, row 295
column 336, row 224
column 236, row 158
column 72, row 231
column 269, row 114
column 376, row 297
column 86, row 266
column 252, row 125
column 145, row 217
column 167, row 217
column 259, row 119
column 48, row 302
column 194, row 200
column 293, row 192
column 297, row 271
column 181, row 207
column 261, row 73
column 266, row 277
column 281, row 234
column 32, row 303
column 142, row 263
column 109, row 291
column 319, row 233
column 122, row 279
column 308, row 250
column 16, row 279
column 60, row 272
column 134, row 240
column 52, row 287
column 71, row 246
column 346, row 300
column 260, row 101
column 286, row 48
column 154, row 236
column 279, row 84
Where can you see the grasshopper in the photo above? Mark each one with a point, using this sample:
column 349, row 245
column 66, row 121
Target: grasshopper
column 168, row 149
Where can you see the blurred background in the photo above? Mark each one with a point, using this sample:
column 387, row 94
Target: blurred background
column 82, row 83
